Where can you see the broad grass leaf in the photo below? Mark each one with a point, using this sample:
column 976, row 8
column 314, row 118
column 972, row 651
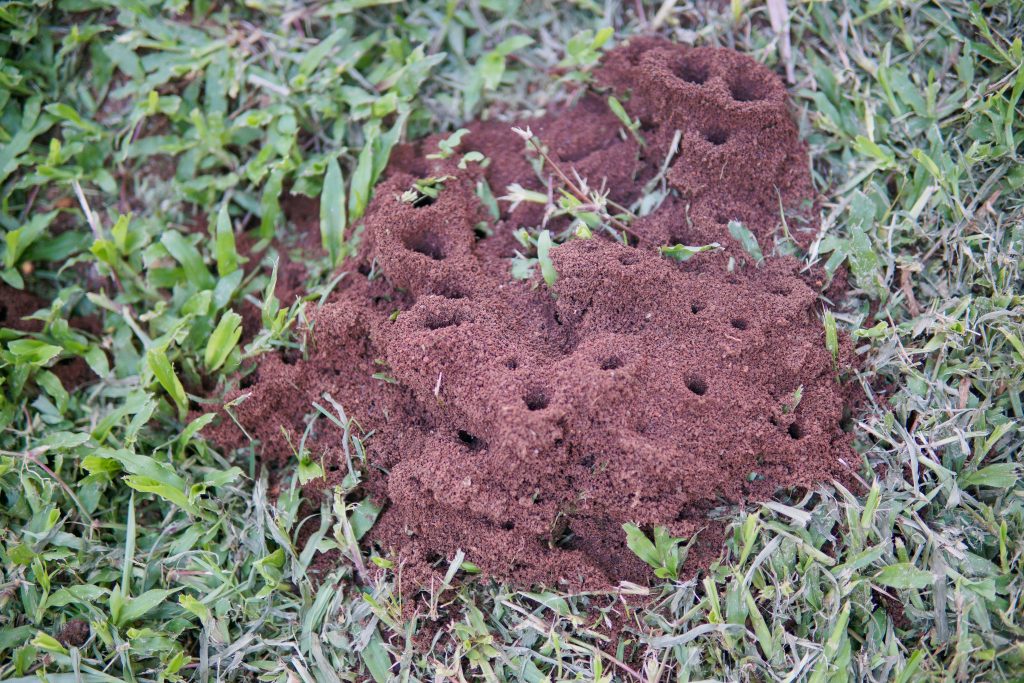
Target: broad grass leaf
column 136, row 608
column 32, row 351
column 223, row 340
column 547, row 268
column 904, row 575
column 376, row 658
column 641, row 546
column 364, row 514
column 21, row 239
column 227, row 253
column 185, row 253
column 362, row 183
column 741, row 234
column 332, row 213
column 682, row 252
column 1002, row 475
column 162, row 369
column 84, row 593
column 168, row 493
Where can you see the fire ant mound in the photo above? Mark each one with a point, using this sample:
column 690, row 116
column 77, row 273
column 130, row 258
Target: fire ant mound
column 523, row 422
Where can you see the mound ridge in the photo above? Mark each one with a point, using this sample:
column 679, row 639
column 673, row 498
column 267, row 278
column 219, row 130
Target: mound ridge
column 524, row 424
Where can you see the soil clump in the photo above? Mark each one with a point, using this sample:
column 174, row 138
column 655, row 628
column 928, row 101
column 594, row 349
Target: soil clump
column 524, row 423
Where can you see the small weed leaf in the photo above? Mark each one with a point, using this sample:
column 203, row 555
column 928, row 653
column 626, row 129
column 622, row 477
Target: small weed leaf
column 681, row 252
column 832, row 337
column 664, row 555
column 447, row 146
column 741, row 234
column 547, row 268
column 632, row 126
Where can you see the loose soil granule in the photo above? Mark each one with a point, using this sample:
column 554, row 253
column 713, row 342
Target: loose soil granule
column 524, row 424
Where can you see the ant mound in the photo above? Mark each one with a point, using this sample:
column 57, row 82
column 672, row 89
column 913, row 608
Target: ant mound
column 525, row 421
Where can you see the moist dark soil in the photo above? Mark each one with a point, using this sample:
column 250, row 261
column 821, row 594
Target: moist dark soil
column 16, row 307
column 524, row 424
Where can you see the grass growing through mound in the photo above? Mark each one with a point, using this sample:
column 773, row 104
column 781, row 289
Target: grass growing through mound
column 140, row 142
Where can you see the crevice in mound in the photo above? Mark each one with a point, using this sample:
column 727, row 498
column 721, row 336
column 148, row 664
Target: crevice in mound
column 425, row 243
column 525, row 424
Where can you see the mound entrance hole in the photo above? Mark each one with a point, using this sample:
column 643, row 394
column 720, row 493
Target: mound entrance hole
column 437, row 320
column 473, row 443
column 746, row 89
column 697, row 385
column 692, row 71
column 426, row 243
column 611, row 363
column 716, row 136
column 536, row 399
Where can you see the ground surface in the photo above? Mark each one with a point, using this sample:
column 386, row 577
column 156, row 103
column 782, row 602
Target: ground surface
column 144, row 159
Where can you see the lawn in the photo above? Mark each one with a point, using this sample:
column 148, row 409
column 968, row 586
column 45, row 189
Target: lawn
column 149, row 153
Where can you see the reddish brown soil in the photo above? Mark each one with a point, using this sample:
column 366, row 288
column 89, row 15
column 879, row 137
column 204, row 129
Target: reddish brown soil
column 17, row 305
column 74, row 633
column 525, row 424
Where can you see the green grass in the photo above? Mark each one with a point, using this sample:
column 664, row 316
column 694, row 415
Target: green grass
column 114, row 510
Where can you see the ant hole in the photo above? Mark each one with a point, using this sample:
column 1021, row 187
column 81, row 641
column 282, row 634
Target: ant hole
column 511, row 364
column 796, row 431
column 249, row 380
column 442, row 319
column 452, row 293
column 508, row 526
column 427, row 244
column 364, row 269
column 747, row 90
column 472, row 442
column 611, row 363
column 696, row 307
column 423, row 200
column 628, row 259
column 697, row 385
column 716, row 136
column 739, row 323
column 536, row 400
column 692, row 72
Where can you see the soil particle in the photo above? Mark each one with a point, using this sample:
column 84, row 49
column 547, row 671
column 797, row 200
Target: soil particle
column 525, row 424
column 74, row 633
